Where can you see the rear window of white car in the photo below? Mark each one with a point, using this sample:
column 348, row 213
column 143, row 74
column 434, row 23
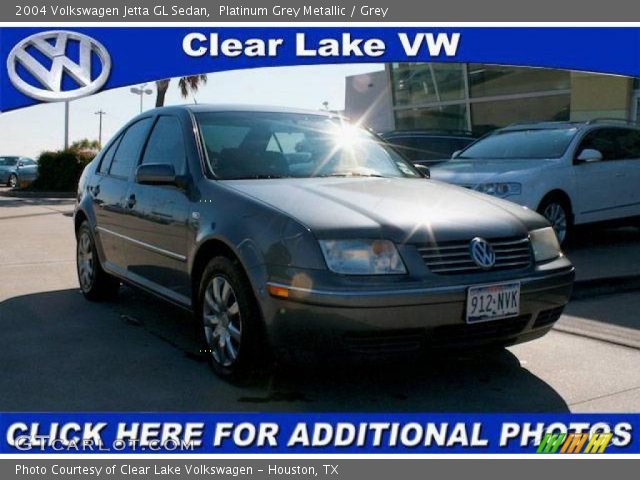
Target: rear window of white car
column 521, row 144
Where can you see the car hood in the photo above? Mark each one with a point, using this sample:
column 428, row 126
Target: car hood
column 400, row 209
column 473, row 172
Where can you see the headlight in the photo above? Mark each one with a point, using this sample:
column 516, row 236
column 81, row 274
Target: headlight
column 500, row 189
column 362, row 257
column 545, row 244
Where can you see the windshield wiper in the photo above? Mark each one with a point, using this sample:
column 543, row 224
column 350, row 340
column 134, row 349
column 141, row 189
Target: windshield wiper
column 259, row 177
column 352, row 174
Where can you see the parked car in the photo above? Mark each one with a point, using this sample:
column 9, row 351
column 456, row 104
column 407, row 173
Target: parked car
column 296, row 231
column 17, row 171
column 572, row 173
column 428, row 147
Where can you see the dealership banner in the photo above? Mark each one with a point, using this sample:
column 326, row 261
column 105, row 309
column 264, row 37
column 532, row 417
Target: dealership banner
column 95, row 59
column 326, row 433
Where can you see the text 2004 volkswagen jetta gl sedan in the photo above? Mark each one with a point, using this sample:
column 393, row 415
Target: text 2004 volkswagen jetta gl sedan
column 296, row 230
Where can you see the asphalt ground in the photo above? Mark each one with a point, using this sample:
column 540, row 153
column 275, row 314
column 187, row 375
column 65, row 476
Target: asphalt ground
column 60, row 352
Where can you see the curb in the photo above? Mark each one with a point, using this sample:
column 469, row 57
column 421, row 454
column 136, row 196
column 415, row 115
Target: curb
column 35, row 194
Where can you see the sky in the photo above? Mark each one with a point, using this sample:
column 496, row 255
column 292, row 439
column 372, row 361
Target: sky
column 29, row 131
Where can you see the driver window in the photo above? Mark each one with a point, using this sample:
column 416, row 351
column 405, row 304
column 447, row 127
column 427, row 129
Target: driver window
column 604, row 140
column 166, row 144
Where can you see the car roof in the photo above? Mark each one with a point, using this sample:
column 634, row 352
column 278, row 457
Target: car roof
column 606, row 122
column 212, row 108
column 429, row 133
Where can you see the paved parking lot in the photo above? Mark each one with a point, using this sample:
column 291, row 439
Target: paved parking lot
column 60, row 352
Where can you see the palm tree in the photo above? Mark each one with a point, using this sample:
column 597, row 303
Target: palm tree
column 187, row 85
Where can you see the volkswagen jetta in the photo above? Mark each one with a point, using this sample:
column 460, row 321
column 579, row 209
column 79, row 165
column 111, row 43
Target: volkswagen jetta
column 295, row 230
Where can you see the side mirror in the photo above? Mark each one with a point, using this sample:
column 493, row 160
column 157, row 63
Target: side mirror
column 456, row 153
column 589, row 155
column 156, row 174
column 20, row 164
column 426, row 173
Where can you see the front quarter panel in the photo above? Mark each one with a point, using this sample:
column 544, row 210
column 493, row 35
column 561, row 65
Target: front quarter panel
column 258, row 234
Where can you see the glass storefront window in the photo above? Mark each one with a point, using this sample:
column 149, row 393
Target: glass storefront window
column 494, row 80
column 450, row 117
column 419, row 83
column 487, row 116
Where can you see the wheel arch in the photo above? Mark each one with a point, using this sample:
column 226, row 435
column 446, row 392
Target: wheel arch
column 561, row 195
column 79, row 217
column 208, row 249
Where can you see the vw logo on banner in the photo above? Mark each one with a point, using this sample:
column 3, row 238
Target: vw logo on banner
column 44, row 61
column 482, row 253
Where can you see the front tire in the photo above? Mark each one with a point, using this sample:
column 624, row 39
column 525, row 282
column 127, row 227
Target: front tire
column 229, row 320
column 96, row 284
column 13, row 180
column 558, row 213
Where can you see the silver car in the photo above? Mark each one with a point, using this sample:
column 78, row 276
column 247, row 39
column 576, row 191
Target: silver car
column 17, row 171
column 286, row 230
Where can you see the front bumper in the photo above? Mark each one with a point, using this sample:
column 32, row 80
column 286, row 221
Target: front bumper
column 410, row 319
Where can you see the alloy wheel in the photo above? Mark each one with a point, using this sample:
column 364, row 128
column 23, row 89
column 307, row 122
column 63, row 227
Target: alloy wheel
column 557, row 216
column 222, row 321
column 86, row 266
column 13, row 181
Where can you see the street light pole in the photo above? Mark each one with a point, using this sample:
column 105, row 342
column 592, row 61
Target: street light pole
column 141, row 91
column 100, row 114
column 66, row 125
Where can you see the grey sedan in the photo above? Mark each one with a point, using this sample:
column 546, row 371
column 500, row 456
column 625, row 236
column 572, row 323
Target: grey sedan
column 285, row 230
column 17, row 171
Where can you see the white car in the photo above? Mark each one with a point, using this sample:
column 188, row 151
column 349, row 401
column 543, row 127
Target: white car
column 572, row 173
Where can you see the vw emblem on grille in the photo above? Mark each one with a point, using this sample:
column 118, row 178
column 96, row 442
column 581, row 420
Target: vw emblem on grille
column 47, row 83
column 482, row 253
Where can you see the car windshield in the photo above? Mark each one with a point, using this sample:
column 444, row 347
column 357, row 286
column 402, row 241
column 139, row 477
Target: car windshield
column 8, row 161
column 521, row 144
column 255, row 145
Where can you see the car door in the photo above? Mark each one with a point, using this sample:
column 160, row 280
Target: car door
column 601, row 187
column 629, row 165
column 108, row 189
column 27, row 169
column 158, row 217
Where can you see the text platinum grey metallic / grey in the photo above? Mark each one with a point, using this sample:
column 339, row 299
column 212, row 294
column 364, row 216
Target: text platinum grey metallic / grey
column 287, row 230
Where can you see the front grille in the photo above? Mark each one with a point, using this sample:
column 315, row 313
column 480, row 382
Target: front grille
column 387, row 342
column 547, row 317
column 478, row 333
column 455, row 257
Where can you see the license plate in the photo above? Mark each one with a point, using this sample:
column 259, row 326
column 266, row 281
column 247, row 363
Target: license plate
column 492, row 302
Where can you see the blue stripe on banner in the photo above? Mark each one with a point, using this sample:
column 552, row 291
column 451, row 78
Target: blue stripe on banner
column 146, row 54
column 234, row 433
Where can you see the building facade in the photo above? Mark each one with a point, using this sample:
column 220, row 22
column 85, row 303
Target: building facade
column 480, row 97
column 368, row 100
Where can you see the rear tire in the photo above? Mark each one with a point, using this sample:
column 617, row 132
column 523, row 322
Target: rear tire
column 96, row 284
column 13, row 181
column 557, row 211
column 229, row 321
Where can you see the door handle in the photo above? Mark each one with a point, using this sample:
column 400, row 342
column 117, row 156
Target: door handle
column 131, row 201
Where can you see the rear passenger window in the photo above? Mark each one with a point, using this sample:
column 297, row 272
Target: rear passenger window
column 107, row 157
column 166, row 144
column 128, row 151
